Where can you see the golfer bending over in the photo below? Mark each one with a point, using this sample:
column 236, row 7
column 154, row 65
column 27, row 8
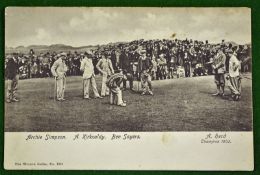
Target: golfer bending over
column 113, row 83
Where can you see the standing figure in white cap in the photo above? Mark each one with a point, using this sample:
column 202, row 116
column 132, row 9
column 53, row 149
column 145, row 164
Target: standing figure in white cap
column 59, row 70
column 233, row 77
column 88, row 76
column 145, row 66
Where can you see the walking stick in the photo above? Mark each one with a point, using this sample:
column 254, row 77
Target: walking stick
column 138, row 83
column 49, row 80
column 190, row 70
column 83, row 87
column 64, row 85
column 55, row 89
column 138, row 75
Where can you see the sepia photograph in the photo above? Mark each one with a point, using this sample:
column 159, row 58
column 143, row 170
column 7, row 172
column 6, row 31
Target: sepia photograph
column 128, row 88
column 128, row 69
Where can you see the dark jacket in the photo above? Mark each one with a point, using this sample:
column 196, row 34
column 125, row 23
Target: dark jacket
column 124, row 62
column 12, row 69
column 113, row 60
column 144, row 65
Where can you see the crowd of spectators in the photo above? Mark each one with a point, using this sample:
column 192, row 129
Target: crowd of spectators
column 168, row 56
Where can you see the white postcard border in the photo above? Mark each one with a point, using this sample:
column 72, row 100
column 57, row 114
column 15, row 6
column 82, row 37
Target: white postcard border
column 129, row 150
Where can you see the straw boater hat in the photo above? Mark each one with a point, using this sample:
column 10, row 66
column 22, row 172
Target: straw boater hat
column 9, row 57
column 161, row 55
column 143, row 51
column 62, row 54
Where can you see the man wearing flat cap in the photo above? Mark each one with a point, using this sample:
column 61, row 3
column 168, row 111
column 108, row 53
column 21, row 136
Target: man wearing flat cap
column 219, row 68
column 12, row 75
column 125, row 65
column 88, row 76
column 59, row 70
column 145, row 66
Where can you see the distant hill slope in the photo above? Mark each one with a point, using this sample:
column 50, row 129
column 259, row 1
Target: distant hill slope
column 66, row 48
column 44, row 48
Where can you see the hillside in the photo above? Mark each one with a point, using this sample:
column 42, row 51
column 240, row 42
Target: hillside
column 44, row 48
column 66, row 48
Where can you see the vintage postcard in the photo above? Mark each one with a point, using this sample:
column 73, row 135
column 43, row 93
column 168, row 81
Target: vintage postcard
column 89, row 88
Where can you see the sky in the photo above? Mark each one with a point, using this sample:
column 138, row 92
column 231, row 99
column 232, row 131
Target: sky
column 82, row 26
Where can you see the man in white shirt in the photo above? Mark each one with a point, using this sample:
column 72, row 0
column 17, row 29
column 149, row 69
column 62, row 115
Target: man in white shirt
column 88, row 77
column 234, row 78
column 59, row 70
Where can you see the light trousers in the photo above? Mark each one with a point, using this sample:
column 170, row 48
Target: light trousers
column 116, row 96
column 104, row 88
column 60, row 85
column 146, row 82
column 86, row 84
column 234, row 85
column 12, row 86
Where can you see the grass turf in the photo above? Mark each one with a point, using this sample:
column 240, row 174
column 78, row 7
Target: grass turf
column 177, row 105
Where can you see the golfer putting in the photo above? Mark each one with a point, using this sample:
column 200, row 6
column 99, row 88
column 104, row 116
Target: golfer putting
column 115, row 95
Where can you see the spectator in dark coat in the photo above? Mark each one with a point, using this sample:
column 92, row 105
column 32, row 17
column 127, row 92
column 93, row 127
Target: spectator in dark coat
column 113, row 59
column 12, row 75
column 125, row 65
